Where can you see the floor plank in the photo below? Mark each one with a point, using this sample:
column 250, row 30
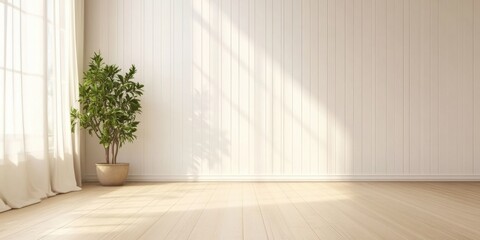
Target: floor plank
column 250, row 210
column 182, row 218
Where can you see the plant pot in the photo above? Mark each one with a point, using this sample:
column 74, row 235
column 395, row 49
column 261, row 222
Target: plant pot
column 112, row 174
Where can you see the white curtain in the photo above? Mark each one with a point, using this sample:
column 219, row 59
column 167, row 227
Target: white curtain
column 38, row 81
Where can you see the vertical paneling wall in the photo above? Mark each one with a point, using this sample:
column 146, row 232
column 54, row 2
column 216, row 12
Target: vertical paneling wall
column 297, row 89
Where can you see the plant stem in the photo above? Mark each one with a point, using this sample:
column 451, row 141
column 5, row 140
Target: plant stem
column 113, row 153
column 107, row 153
column 116, row 151
column 96, row 128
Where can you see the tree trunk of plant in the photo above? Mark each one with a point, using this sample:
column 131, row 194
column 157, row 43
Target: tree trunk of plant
column 114, row 161
column 115, row 151
column 107, row 155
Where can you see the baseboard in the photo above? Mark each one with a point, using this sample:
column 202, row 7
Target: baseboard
column 267, row 178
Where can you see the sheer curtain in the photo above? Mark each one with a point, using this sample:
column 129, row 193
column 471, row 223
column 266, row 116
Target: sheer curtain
column 38, row 81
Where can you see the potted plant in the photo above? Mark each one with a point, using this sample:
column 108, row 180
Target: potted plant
column 109, row 103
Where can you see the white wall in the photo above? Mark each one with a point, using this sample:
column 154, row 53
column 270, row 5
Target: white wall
column 291, row 89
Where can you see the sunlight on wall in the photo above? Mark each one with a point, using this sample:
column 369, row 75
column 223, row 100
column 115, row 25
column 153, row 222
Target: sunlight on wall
column 256, row 68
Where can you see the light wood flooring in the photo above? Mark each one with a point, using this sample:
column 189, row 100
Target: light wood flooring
column 247, row 210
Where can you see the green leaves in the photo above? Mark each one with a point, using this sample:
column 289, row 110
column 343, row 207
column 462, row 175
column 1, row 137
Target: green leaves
column 109, row 103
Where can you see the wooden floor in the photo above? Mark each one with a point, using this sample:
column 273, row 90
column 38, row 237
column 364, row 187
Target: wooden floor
column 226, row 210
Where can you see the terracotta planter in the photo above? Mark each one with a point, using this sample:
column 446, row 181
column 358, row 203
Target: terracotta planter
column 112, row 174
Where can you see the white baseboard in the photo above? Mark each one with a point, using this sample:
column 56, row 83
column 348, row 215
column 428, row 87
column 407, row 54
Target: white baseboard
column 266, row 178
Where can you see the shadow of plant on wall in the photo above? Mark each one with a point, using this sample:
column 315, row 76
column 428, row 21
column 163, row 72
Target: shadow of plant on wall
column 209, row 142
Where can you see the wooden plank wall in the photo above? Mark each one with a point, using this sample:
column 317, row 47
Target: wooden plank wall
column 297, row 89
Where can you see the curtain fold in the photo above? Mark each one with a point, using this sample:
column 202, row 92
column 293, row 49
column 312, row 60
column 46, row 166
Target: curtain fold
column 38, row 77
column 79, row 135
